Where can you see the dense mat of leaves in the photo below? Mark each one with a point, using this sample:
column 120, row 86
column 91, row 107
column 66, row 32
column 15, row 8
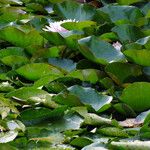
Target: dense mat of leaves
column 75, row 75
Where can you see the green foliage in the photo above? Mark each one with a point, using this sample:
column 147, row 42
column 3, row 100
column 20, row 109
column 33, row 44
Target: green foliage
column 72, row 74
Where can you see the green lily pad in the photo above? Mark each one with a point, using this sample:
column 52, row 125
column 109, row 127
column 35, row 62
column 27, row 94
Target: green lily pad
column 35, row 71
column 13, row 60
column 99, row 51
column 81, row 141
column 18, row 51
column 128, row 33
column 91, row 75
column 124, row 13
column 78, row 96
column 73, row 10
column 123, row 72
column 27, row 93
column 21, row 38
column 137, row 96
column 40, row 114
column 112, row 131
column 140, row 57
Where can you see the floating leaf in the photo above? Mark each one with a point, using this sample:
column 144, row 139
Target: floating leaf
column 73, row 10
column 40, row 114
column 99, row 51
column 140, row 57
column 122, row 13
column 13, row 60
column 91, row 75
column 17, row 51
column 87, row 96
column 95, row 120
column 29, row 94
column 21, row 38
column 37, row 70
column 123, row 72
column 137, row 96
column 66, row 64
column 81, row 141
column 128, row 33
column 112, row 131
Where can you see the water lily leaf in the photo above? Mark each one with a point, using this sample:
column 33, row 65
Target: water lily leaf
column 128, row 33
column 28, row 93
column 95, row 120
column 10, row 14
column 145, row 132
column 53, row 37
column 35, row 7
column 81, row 141
column 95, row 99
column 91, row 75
column 35, row 71
column 140, row 57
column 144, row 41
column 124, row 109
column 125, row 13
column 123, row 72
column 8, row 136
column 78, row 25
column 13, row 60
column 7, row 146
column 112, row 131
column 21, row 38
column 137, row 95
column 86, row 96
column 73, row 10
column 71, row 38
column 99, row 51
column 66, row 64
column 70, row 121
column 40, row 114
column 17, row 51
column 45, row 80
column 128, row 2
column 145, row 145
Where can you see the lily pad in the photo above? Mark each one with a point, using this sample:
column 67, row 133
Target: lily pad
column 73, row 10
column 137, row 96
column 99, row 51
column 35, row 71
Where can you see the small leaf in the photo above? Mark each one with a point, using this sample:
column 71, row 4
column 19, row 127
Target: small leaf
column 128, row 33
column 73, row 10
column 95, row 120
column 40, row 114
column 99, row 51
column 37, row 70
column 81, row 141
column 137, row 95
column 112, row 131
column 140, row 57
